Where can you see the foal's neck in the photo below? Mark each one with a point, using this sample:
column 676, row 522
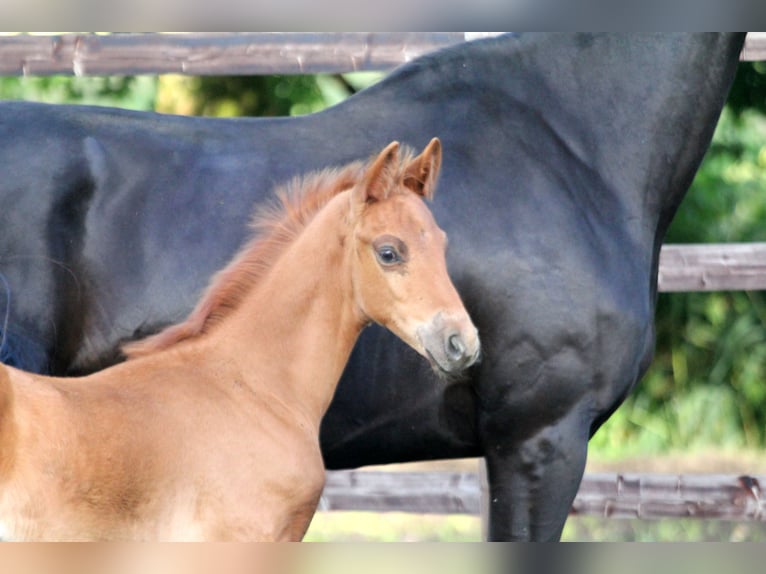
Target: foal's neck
column 293, row 333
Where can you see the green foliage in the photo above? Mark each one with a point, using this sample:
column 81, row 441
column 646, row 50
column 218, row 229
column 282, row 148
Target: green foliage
column 133, row 92
column 726, row 200
column 749, row 89
column 211, row 96
column 257, row 95
column 240, row 95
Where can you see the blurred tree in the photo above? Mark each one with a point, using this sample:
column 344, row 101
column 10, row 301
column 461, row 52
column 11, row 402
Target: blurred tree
column 250, row 95
column 133, row 92
column 749, row 89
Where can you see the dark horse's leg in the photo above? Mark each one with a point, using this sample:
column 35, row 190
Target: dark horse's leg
column 534, row 420
column 534, row 480
column 535, row 430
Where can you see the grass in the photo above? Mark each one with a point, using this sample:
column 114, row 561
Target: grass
column 393, row 527
column 593, row 528
column 401, row 527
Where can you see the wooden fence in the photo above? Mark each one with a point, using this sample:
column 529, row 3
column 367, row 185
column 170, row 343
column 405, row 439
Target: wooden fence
column 235, row 53
column 614, row 495
column 682, row 267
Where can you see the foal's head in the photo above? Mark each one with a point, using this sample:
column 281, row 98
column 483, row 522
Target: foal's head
column 399, row 270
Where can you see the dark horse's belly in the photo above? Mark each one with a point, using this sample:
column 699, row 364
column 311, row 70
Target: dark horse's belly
column 565, row 157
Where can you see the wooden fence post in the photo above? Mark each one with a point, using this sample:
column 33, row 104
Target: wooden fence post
column 484, row 498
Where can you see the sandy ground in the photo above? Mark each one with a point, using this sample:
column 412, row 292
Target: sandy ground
column 718, row 462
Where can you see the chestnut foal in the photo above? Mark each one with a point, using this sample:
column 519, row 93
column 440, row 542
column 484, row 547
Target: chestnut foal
column 210, row 430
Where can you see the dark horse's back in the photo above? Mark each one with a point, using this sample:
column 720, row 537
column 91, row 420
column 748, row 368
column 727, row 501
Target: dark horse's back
column 565, row 157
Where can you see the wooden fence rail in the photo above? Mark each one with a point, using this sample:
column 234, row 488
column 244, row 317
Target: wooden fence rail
column 217, row 54
column 656, row 496
column 250, row 53
column 419, row 492
column 719, row 497
column 713, row 267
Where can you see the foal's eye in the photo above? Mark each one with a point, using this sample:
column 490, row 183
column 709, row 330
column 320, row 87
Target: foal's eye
column 388, row 255
column 390, row 251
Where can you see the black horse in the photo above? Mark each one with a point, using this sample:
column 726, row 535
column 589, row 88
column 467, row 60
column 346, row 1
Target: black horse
column 565, row 158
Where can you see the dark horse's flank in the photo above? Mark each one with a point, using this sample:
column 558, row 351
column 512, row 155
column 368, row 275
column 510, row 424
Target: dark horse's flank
column 565, row 159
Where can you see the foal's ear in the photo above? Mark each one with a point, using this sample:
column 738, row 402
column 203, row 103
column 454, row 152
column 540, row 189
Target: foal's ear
column 423, row 171
column 377, row 180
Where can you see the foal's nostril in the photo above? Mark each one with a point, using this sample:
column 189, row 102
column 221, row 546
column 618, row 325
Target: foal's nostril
column 455, row 347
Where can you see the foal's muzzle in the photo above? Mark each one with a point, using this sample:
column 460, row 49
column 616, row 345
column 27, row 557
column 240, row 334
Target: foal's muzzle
column 451, row 343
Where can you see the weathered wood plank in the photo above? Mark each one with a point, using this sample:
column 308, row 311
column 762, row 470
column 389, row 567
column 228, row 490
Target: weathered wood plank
column 755, row 47
column 235, row 53
column 211, row 54
column 648, row 497
column 713, row 267
column 421, row 492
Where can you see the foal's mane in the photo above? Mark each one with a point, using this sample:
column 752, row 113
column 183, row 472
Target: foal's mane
column 275, row 225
